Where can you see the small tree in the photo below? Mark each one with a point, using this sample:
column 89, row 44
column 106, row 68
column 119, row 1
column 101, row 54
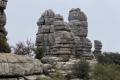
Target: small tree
column 103, row 59
column 81, row 69
column 39, row 53
column 22, row 49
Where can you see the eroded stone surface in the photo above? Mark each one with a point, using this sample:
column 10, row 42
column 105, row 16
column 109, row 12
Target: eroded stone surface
column 18, row 65
column 45, row 31
column 98, row 46
column 61, row 38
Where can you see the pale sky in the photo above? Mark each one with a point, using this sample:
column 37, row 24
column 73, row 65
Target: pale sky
column 103, row 19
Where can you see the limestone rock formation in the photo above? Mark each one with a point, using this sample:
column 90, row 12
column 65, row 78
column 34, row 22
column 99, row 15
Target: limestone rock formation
column 63, row 38
column 79, row 25
column 45, row 30
column 88, row 54
column 18, row 65
column 98, row 46
column 4, row 47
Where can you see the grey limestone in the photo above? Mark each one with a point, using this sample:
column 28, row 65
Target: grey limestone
column 98, row 46
column 62, row 38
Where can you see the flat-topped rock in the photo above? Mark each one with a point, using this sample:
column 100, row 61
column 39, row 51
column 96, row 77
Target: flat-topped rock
column 18, row 65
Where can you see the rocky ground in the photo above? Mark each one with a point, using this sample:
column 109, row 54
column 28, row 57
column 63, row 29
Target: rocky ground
column 18, row 67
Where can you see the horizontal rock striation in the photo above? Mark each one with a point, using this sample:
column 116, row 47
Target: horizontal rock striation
column 18, row 65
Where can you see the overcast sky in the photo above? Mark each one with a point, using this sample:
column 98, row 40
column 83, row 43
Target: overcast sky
column 103, row 19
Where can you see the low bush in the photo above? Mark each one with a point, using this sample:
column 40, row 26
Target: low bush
column 106, row 72
column 39, row 52
column 103, row 59
column 109, row 57
column 81, row 69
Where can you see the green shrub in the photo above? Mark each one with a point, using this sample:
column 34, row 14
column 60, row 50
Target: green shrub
column 103, row 59
column 106, row 72
column 114, row 57
column 81, row 69
column 4, row 46
column 39, row 53
column 109, row 57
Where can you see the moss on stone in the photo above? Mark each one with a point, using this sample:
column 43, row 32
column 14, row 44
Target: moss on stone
column 4, row 46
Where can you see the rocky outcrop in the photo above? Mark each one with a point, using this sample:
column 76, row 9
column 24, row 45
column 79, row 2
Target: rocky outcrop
column 4, row 47
column 18, row 65
column 3, row 5
column 44, row 34
column 98, row 46
column 63, row 37
column 79, row 25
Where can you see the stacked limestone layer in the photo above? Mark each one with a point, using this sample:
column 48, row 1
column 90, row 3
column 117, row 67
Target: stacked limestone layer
column 78, row 24
column 4, row 47
column 63, row 37
column 18, row 65
column 44, row 34
column 98, row 46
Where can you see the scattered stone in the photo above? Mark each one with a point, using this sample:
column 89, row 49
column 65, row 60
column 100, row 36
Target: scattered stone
column 46, row 68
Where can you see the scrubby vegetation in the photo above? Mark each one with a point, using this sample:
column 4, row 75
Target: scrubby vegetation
column 109, row 57
column 23, row 49
column 108, row 67
column 80, row 70
column 39, row 52
column 106, row 72
column 4, row 46
column 28, row 49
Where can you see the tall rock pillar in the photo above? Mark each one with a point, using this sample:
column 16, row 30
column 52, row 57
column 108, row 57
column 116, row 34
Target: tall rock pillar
column 4, row 47
column 44, row 34
column 63, row 37
column 98, row 46
column 79, row 25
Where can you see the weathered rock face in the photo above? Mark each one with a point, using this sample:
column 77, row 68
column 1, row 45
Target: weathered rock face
column 98, row 46
column 78, row 24
column 88, row 54
column 45, row 30
column 17, row 65
column 3, row 4
column 4, row 47
column 79, row 21
column 63, row 37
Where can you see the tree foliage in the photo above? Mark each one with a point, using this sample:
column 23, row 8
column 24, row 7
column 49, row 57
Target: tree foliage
column 106, row 72
column 39, row 53
column 81, row 69
column 109, row 57
column 23, row 49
